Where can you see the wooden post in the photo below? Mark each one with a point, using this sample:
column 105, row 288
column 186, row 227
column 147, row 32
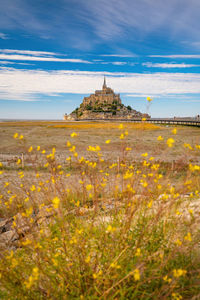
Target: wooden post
column 173, row 162
column 22, row 160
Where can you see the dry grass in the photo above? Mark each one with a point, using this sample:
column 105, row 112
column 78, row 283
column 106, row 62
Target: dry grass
column 121, row 224
column 141, row 137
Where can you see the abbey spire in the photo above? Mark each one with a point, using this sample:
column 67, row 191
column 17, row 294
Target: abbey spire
column 104, row 83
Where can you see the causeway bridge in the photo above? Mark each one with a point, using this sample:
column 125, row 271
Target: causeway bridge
column 185, row 122
column 167, row 121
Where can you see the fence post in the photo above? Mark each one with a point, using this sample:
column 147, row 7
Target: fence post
column 118, row 164
column 22, row 160
column 173, row 162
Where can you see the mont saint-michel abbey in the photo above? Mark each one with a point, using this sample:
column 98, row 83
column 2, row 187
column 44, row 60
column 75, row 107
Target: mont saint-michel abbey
column 104, row 104
column 104, row 96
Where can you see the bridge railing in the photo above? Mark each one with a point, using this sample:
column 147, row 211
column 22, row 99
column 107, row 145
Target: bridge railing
column 157, row 121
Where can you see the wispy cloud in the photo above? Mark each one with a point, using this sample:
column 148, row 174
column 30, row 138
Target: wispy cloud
column 29, row 52
column 177, row 56
column 3, row 36
column 119, row 55
column 84, row 82
column 100, row 21
column 41, row 58
column 4, row 62
column 167, row 66
column 116, row 18
column 117, row 63
column 134, row 95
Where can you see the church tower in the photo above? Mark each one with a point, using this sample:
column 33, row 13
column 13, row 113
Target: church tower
column 104, row 84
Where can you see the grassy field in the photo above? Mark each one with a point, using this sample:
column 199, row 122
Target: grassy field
column 99, row 211
column 142, row 137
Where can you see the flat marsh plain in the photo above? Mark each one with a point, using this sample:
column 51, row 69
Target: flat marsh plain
column 98, row 210
column 141, row 138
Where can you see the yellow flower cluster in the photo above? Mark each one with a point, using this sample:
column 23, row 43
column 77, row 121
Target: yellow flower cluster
column 33, row 278
column 94, row 149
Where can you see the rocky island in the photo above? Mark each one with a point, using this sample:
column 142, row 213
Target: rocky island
column 102, row 105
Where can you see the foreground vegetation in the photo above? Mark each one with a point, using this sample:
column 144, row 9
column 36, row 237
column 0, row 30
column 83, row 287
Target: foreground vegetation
column 94, row 228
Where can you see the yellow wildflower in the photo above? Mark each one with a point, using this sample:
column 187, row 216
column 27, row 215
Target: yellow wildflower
column 149, row 99
column 174, row 131
column 144, row 154
column 30, row 149
column 94, row 149
column 89, row 187
column 165, row 278
column 138, row 252
column 32, row 188
column 176, row 296
column 160, row 138
column 178, row 242
column 26, row 242
column 126, row 132
column 194, row 168
column 56, row 202
column 77, row 203
column 18, row 161
column 179, row 272
column 188, row 237
column 107, row 142
column 15, row 135
column 73, row 134
column 170, row 142
column 110, row 228
column 136, row 274
column 87, row 260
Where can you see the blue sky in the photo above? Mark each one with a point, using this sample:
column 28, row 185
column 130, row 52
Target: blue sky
column 53, row 53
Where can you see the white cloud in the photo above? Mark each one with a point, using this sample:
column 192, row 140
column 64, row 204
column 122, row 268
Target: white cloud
column 141, row 95
column 70, row 21
column 41, row 58
column 24, row 84
column 29, row 52
column 177, row 56
column 3, row 36
column 119, row 55
column 170, row 65
column 136, row 19
column 4, row 62
column 117, row 63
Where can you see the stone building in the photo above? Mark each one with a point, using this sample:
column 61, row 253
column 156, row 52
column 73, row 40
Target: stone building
column 104, row 96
